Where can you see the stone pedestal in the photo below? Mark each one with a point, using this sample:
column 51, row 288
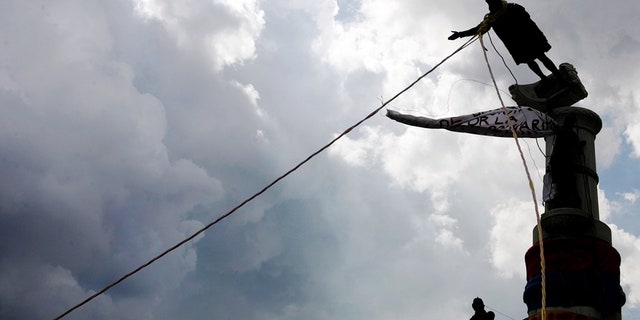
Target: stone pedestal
column 563, row 89
column 582, row 267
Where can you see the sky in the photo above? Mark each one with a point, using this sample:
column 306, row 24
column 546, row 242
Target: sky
column 129, row 124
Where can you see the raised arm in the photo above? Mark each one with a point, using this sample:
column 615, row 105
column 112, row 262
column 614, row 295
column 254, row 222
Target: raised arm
column 466, row 33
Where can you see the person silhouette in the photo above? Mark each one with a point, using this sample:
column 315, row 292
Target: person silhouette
column 520, row 35
column 480, row 313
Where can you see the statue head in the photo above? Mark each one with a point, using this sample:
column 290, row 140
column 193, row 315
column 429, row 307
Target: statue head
column 495, row 5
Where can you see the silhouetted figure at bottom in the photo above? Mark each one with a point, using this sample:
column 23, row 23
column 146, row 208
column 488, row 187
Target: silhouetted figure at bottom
column 481, row 314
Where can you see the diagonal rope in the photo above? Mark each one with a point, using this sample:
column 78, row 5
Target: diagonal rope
column 531, row 186
column 502, row 313
column 263, row 190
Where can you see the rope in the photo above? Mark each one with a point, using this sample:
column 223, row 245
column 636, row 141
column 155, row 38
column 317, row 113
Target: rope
column 263, row 190
column 504, row 314
column 502, row 58
column 531, row 186
column 490, row 18
column 504, row 62
column 451, row 91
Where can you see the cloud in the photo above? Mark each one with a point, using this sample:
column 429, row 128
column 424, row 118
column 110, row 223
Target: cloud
column 202, row 25
column 509, row 237
column 632, row 196
column 91, row 189
column 55, row 285
column 633, row 137
column 627, row 244
column 128, row 125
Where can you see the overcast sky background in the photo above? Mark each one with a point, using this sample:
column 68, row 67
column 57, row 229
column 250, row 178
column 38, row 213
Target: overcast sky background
column 126, row 125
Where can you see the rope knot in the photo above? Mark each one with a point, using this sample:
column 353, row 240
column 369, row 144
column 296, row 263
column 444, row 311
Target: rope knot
column 490, row 18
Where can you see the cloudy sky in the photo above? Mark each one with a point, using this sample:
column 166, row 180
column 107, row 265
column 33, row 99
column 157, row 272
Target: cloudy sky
column 128, row 124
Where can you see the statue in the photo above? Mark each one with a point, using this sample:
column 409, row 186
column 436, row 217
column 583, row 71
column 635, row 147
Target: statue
column 480, row 313
column 526, row 43
column 518, row 32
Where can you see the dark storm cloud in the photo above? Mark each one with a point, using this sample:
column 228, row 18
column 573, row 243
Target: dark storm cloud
column 127, row 125
column 88, row 188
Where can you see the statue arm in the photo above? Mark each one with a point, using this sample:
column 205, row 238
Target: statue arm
column 466, row 33
column 471, row 32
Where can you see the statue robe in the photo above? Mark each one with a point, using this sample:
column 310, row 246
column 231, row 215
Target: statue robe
column 522, row 37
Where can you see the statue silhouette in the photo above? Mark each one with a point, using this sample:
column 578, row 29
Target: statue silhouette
column 480, row 313
column 520, row 35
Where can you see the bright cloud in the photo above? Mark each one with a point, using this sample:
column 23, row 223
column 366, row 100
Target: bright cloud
column 128, row 125
column 200, row 25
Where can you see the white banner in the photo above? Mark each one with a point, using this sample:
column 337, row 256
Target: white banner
column 527, row 122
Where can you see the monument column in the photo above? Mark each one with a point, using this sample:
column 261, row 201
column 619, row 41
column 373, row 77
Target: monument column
column 582, row 267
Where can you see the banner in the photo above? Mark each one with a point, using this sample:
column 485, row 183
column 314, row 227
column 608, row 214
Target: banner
column 527, row 122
